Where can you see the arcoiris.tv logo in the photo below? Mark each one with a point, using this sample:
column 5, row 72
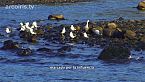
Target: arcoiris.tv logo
column 19, row 6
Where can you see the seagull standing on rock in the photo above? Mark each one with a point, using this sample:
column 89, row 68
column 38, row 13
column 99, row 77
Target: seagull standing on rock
column 29, row 29
column 72, row 35
column 85, row 35
column 27, row 26
column 22, row 28
column 72, row 28
column 8, row 30
column 32, row 31
column 63, row 31
column 87, row 26
column 34, row 24
column 97, row 32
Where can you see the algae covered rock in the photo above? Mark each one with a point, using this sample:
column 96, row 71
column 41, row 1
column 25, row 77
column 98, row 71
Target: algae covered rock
column 56, row 17
column 141, row 5
column 112, row 25
column 114, row 53
column 130, row 34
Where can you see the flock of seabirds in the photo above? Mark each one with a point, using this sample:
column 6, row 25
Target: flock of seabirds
column 31, row 28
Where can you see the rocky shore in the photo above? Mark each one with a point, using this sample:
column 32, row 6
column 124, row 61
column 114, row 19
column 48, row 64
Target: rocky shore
column 117, row 38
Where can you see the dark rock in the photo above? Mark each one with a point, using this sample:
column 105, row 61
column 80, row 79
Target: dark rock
column 39, row 32
column 24, row 34
column 141, row 5
column 118, row 33
column 9, row 44
column 140, row 46
column 55, row 17
column 142, row 39
column 28, row 36
column 114, row 53
column 108, row 32
column 24, row 52
column 120, row 18
column 32, row 39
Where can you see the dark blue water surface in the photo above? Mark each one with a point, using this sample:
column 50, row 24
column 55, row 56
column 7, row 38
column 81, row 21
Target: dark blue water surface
column 36, row 68
column 96, row 10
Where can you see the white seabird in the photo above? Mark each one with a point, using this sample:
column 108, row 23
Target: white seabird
column 8, row 30
column 29, row 29
column 32, row 31
column 87, row 25
column 22, row 28
column 96, row 32
column 35, row 25
column 27, row 25
column 85, row 35
column 63, row 30
column 72, row 35
column 72, row 28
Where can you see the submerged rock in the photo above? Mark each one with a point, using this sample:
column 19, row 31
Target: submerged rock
column 114, row 53
column 44, row 50
column 24, row 52
column 141, row 5
column 9, row 44
column 64, row 48
column 55, row 17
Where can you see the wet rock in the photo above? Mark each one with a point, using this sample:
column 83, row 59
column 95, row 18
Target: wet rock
column 130, row 34
column 140, row 46
column 108, row 32
column 9, row 44
column 24, row 34
column 118, row 33
column 55, row 17
column 24, row 52
column 120, row 18
column 142, row 39
column 141, row 5
column 112, row 25
column 28, row 36
column 32, row 39
column 114, row 53
column 39, row 32
column 78, row 28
